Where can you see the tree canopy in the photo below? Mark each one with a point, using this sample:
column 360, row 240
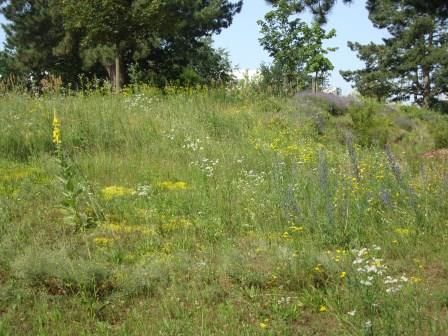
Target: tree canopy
column 108, row 36
column 413, row 61
column 319, row 8
column 296, row 47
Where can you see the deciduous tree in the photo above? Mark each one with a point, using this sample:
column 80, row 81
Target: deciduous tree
column 296, row 47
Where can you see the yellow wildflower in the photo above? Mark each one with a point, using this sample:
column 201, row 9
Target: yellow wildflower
column 322, row 309
column 56, row 130
column 169, row 185
column 342, row 275
column 263, row 325
column 176, row 224
column 122, row 228
column 416, row 280
column 116, row 191
column 403, row 231
column 296, row 228
column 102, row 241
column 285, row 235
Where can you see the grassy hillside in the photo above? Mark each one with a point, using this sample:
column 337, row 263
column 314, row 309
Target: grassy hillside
column 221, row 213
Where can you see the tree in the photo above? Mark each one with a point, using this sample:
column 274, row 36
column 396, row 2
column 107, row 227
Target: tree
column 178, row 65
column 319, row 8
column 106, row 28
column 106, row 37
column 33, row 32
column 4, row 64
column 115, row 30
column 297, row 48
column 373, row 81
column 412, row 62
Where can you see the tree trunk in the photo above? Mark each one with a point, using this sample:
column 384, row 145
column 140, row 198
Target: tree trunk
column 426, row 69
column 416, row 85
column 426, row 87
column 117, row 73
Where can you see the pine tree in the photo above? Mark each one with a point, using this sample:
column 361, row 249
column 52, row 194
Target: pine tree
column 413, row 60
column 33, row 32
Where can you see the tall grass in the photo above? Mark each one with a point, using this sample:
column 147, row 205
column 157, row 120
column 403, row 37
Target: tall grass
column 222, row 212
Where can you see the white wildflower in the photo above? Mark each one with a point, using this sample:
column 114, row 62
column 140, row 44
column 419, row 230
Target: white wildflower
column 366, row 282
column 352, row 313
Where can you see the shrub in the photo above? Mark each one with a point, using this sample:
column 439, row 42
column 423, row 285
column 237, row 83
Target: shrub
column 333, row 104
column 405, row 123
column 60, row 274
column 146, row 279
column 371, row 128
column 440, row 133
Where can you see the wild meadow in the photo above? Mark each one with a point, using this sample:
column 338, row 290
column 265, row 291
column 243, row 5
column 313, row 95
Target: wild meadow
column 221, row 212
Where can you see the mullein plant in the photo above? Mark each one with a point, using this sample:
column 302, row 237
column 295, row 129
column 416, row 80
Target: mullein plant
column 79, row 204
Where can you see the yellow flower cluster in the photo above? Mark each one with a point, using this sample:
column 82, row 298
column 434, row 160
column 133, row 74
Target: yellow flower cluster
column 123, row 228
column 116, row 191
column 322, row 309
column 338, row 255
column 287, row 235
column 56, row 130
column 403, row 231
column 176, row 224
column 102, row 241
column 169, row 185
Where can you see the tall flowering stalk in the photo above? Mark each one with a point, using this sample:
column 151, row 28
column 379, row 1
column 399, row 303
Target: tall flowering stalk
column 56, row 130
column 82, row 210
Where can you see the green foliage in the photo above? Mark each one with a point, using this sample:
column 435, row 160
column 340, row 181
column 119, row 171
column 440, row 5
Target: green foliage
column 412, row 61
column 370, row 125
column 5, row 67
column 59, row 274
column 116, row 32
column 34, row 31
column 370, row 82
column 297, row 48
column 440, row 133
column 79, row 204
column 319, row 8
column 273, row 80
column 95, row 38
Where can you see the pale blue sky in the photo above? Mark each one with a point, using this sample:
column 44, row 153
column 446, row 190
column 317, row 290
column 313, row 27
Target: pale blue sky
column 350, row 21
column 241, row 39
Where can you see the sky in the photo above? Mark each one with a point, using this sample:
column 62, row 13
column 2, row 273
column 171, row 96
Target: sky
column 350, row 21
column 241, row 39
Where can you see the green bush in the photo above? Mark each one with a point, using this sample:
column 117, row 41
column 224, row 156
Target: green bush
column 440, row 133
column 60, row 274
column 370, row 126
